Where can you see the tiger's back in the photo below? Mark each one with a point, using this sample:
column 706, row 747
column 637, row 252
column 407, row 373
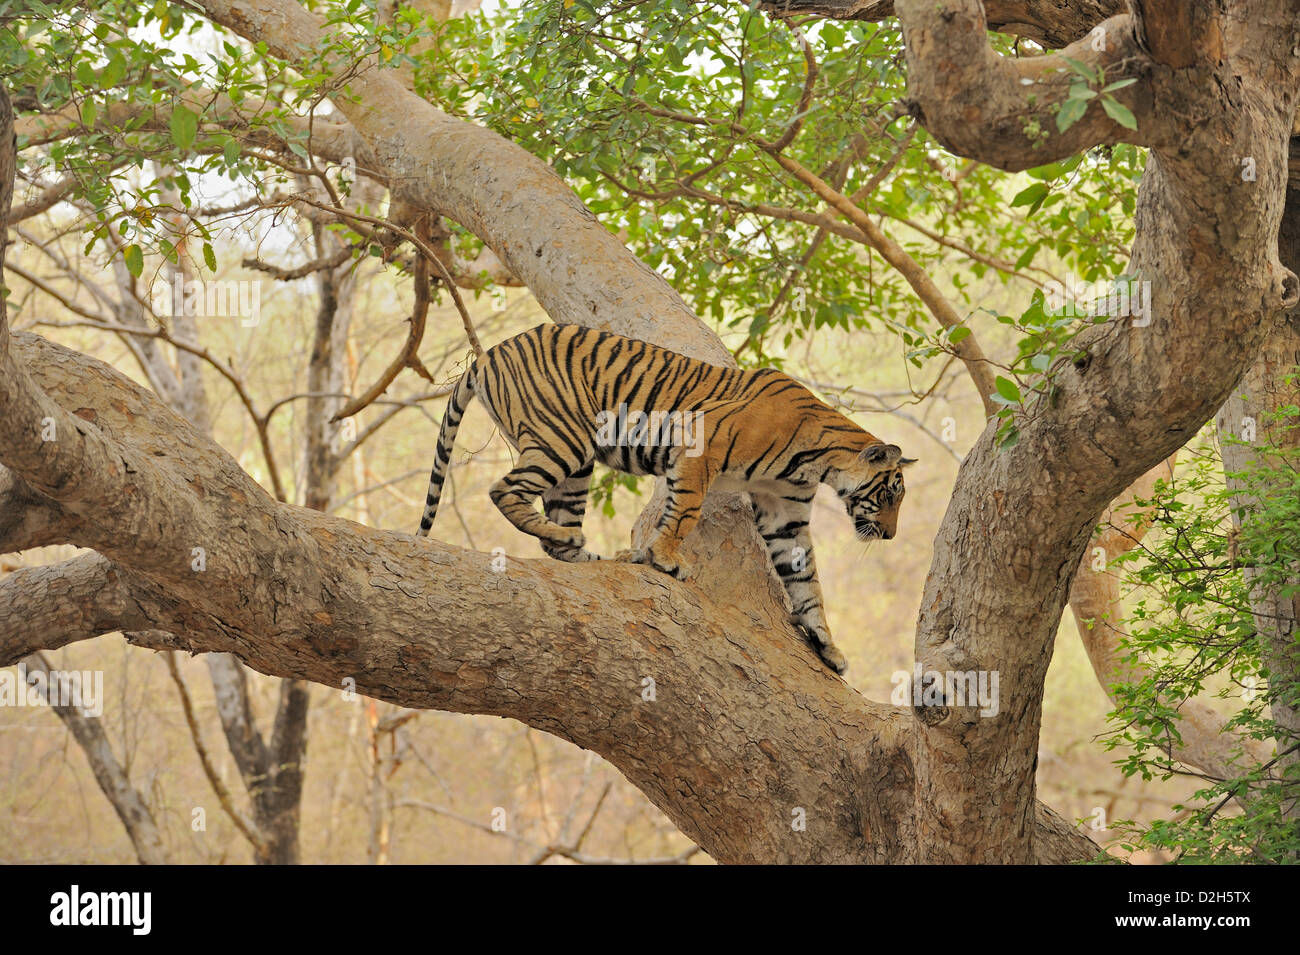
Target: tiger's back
column 558, row 384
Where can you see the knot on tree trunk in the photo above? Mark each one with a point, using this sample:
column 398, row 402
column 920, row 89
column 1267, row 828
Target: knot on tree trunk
column 1288, row 290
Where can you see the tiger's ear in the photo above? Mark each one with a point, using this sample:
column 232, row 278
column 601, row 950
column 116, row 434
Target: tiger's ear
column 882, row 456
column 904, row 462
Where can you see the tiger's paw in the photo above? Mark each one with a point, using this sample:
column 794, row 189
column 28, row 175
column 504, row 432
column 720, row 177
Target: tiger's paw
column 569, row 553
column 668, row 562
column 567, row 544
column 670, row 566
column 827, row 651
column 833, row 658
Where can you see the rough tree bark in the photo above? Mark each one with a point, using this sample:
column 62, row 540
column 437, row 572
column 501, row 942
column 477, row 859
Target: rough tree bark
column 746, row 728
column 1207, row 242
column 1052, row 23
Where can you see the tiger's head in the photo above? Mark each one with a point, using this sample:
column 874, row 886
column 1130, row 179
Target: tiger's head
column 871, row 487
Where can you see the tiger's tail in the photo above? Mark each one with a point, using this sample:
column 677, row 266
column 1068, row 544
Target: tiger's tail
column 460, row 399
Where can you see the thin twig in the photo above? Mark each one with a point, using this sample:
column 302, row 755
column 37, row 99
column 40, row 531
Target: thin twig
column 242, row 823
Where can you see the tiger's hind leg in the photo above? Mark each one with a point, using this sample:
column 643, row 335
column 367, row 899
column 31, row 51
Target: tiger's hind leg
column 515, row 496
column 565, row 504
column 783, row 525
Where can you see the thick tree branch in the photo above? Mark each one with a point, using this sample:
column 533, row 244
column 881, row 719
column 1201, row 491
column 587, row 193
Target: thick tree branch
column 425, row 625
column 27, row 518
column 1051, row 23
column 1003, row 111
column 1178, row 33
column 44, row 608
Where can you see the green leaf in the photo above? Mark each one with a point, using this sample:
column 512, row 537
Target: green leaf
column 209, row 257
column 1045, row 173
column 113, row 71
column 1071, row 112
column 1032, row 195
column 1119, row 112
column 88, row 112
column 1007, row 389
column 134, row 259
column 1028, row 255
column 958, row 334
column 184, row 126
column 1093, row 75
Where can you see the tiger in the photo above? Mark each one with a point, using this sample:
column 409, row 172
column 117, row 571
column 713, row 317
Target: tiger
column 563, row 397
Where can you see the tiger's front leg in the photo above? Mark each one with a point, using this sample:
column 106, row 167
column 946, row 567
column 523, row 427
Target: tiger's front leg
column 783, row 524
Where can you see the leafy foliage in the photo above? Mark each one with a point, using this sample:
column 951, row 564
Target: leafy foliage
column 1193, row 626
column 655, row 112
column 1089, row 84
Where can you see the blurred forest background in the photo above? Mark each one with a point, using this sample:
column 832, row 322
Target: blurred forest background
column 735, row 235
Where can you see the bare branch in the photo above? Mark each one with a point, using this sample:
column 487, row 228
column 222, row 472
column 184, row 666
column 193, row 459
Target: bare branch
column 125, row 799
column 45, row 201
column 245, row 825
column 331, row 261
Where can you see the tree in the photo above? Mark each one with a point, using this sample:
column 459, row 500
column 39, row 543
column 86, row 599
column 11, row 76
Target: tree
column 746, row 732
